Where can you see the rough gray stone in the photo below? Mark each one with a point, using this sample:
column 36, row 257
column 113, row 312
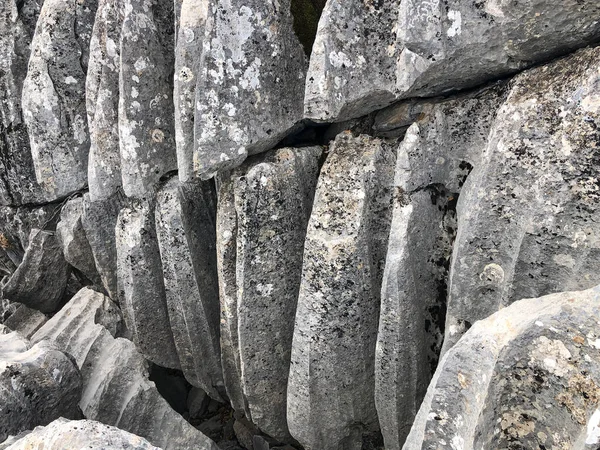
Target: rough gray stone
column 272, row 197
column 146, row 130
column 141, row 286
column 37, row 384
column 250, row 84
column 54, row 95
column 25, row 321
column 192, row 301
column 331, row 384
column 73, row 240
column 115, row 375
column 453, row 44
column 433, row 161
column 528, row 218
column 41, row 279
column 526, row 377
column 79, row 435
column 353, row 62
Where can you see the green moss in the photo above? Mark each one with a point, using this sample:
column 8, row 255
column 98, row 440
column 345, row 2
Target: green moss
column 306, row 14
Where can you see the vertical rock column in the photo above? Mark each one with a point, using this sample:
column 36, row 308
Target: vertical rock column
column 331, row 383
column 269, row 200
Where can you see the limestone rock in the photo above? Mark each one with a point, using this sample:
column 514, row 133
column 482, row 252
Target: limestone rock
column 79, row 435
column 526, row 377
column 528, row 217
column 272, row 198
column 141, row 287
column 41, row 279
column 331, row 384
column 146, row 133
column 455, row 44
column 352, row 66
column 37, row 384
column 115, row 375
column 54, row 95
column 25, row 321
column 192, row 301
column 250, row 84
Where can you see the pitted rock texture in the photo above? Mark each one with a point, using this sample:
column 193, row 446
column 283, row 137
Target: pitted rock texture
column 528, row 216
column 54, row 95
column 116, row 389
column 250, row 84
column 37, row 384
column 192, row 300
column 269, row 200
column 338, row 304
column 526, row 377
column 79, row 435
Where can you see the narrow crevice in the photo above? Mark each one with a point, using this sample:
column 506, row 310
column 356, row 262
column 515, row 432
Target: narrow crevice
column 306, row 15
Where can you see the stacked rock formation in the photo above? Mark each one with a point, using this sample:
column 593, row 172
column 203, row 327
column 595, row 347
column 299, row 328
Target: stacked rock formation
column 315, row 220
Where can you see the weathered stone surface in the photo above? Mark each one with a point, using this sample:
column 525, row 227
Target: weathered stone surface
column 528, row 218
column 79, row 435
column 146, row 132
column 433, row 162
column 271, row 195
column 54, row 95
column 452, row 44
column 37, row 384
column 526, row 377
column 141, row 286
column 353, row 62
column 25, row 321
column 73, row 240
column 331, row 385
column 192, row 301
column 102, row 101
column 250, row 85
column 115, row 375
column 17, row 175
column 41, row 279
column 99, row 220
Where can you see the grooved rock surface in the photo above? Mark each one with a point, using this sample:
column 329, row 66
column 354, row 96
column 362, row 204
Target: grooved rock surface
column 116, row 389
column 54, row 95
column 141, row 286
column 529, row 216
column 250, row 84
column 37, row 384
column 269, row 198
column 331, row 383
column 526, row 377
column 192, row 299
column 25, row 321
column 79, row 435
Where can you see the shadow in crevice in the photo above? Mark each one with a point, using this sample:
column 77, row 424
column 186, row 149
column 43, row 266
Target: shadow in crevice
column 306, row 14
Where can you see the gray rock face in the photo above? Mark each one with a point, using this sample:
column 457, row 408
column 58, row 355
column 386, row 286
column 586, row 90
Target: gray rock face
column 25, row 321
column 115, row 375
column 338, row 306
column 79, row 435
column 17, row 175
column 141, row 286
column 456, row 44
column 251, row 83
column 192, row 301
column 352, row 66
column 270, row 197
column 433, row 161
column 41, row 279
column 527, row 376
column 37, row 384
column 146, row 132
column 528, row 217
column 54, row 95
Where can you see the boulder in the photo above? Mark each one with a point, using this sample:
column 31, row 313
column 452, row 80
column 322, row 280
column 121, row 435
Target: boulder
column 37, row 384
column 250, row 83
column 116, row 388
column 54, row 96
column 526, row 377
column 25, row 321
column 332, row 376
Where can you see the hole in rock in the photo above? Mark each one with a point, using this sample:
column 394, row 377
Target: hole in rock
column 306, row 14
